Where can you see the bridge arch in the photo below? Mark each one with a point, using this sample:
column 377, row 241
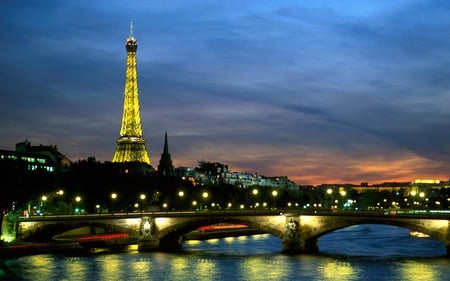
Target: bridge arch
column 172, row 236
column 314, row 227
column 48, row 231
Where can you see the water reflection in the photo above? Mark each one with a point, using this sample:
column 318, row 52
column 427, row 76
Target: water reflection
column 76, row 267
column 250, row 258
column 110, row 265
column 338, row 270
column 265, row 268
column 412, row 270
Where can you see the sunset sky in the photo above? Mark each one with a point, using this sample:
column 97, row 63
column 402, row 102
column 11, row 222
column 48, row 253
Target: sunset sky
column 319, row 91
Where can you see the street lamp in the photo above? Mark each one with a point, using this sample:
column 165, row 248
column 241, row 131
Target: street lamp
column 205, row 196
column 330, row 199
column 59, row 193
column 113, row 199
column 274, row 195
column 44, row 199
column 255, row 193
column 142, row 197
column 77, row 201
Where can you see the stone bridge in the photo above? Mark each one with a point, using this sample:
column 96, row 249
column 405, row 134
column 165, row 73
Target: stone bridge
column 299, row 231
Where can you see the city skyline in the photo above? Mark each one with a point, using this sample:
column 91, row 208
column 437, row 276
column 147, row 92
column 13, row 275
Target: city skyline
column 321, row 92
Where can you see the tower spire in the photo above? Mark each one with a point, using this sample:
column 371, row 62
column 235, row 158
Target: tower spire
column 131, row 29
column 131, row 143
column 166, row 146
column 165, row 166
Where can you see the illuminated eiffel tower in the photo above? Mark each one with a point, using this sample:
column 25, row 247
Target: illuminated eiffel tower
column 131, row 143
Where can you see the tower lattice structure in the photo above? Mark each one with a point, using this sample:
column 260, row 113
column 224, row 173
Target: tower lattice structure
column 131, row 143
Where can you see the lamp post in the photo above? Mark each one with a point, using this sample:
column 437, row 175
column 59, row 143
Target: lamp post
column 113, row 199
column 329, row 197
column 422, row 196
column 180, row 196
column 255, row 193
column 142, row 197
column 205, row 196
column 59, row 194
column 274, row 195
column 77, row 202
column 44, row 200
column 343, row 193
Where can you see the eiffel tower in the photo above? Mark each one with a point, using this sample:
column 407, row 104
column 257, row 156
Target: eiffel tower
column 131, row 143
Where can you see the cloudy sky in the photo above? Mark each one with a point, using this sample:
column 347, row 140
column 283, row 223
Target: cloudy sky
column 319, row 91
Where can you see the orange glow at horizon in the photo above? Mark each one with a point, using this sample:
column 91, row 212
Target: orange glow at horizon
column 323, row 166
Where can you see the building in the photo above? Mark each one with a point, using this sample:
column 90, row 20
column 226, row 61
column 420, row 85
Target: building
column 37, row 158
column 131, row 143
column 165, row 166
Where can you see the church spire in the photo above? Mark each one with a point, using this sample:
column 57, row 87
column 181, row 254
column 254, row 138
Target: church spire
column 166, row 146
column 165, row 166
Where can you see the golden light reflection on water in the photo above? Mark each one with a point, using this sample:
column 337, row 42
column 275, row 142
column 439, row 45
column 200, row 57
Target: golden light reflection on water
column 44, row 264
column 413, row 270
column 242, row 238
column 77, row 269
column 264, row 269
column 204, row 269
column 229, row 240
column 213, row 241
column 337, row 270
column 180, row 268
column 142, row 267
column 110, row 266
column 260, row 236
column 193, row 242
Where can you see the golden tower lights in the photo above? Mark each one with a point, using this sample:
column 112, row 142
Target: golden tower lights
column 131, row 143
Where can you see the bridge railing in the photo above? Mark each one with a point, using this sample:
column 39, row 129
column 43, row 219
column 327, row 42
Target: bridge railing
column 245, row 212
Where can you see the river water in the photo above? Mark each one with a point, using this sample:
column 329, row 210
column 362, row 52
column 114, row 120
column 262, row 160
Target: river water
column 362, row 252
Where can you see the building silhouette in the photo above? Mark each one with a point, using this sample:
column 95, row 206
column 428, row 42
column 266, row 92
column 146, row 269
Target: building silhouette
column 131, row 143
column 37, row 158
column 165, row 166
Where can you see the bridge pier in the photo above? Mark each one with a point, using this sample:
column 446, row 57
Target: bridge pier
column 290, row 242
column 293, row 242
column 147, row 239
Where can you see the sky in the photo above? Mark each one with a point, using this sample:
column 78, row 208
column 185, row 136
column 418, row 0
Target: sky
column 319, row 91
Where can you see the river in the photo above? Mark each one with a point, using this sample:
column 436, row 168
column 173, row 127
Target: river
column 362, row 252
